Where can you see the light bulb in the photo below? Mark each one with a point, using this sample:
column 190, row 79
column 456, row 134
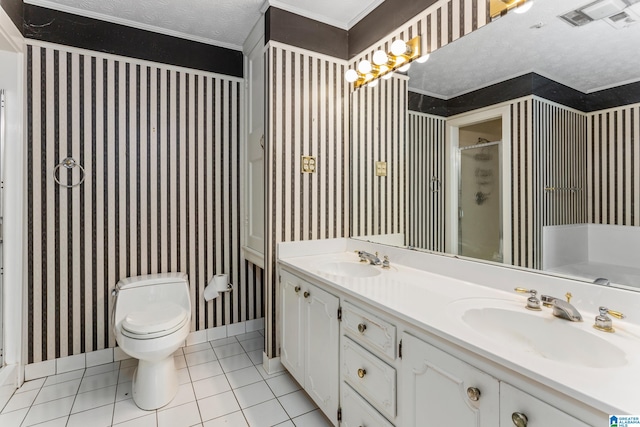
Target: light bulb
column 399, row 47
column 351, row 76
column 364, row 67
column 380, row 57
column 400, row 60
column 524, row 8
column 404, row 68
column 423, row 59
column 387, row 76
column 373, row 84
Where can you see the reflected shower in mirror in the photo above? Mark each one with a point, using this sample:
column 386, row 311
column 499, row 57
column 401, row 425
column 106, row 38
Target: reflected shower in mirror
column 516, row 144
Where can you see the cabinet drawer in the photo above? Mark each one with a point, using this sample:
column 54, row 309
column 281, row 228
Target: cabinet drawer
column 370, row 329
column 356, row 412
column 369, row 376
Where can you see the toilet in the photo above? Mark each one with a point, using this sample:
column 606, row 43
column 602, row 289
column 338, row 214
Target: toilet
column 151, row 320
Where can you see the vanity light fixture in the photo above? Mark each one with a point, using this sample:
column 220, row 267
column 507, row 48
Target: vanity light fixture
column 500, row 8
column 384, row 64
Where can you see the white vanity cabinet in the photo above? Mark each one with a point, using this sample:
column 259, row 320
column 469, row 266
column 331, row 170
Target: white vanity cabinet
column 310, row 339
column 439, row 389
column 517, row 405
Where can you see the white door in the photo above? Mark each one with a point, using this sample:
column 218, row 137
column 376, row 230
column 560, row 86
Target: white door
column 292, row 339
column 515, row 403
column 322, row 334
column 436, row 388
column 2, row 131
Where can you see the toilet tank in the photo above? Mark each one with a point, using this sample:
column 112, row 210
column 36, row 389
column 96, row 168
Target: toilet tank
column 136, row 292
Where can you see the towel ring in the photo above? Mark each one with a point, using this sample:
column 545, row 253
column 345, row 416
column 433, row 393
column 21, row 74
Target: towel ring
column 69, row 163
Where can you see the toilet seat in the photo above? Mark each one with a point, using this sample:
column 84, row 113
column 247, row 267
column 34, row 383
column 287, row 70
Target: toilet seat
column 154, row 321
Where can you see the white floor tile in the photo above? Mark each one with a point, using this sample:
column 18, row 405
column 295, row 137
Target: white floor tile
column 256, row 356
column 243, row 377
column 126, row 410
column 200, row 357
column 253, row 394
column 101, row 369
column 183, row 376
column 196, row 337
column 248, row 336
column 70, row 363
column 253, row 344
column 216, row 333
column 211, row 386
column 205, row 370
column 312, row 419
column 126, row 374
column 55, row 379
column 39, row 370
column 49, row 411
column 297, row 403
column 14, row 418
column 99, row 357
column 94, row 399
column 146, row 421
column 31, row 385
column 20, row 400
column 184, row 395
column 229, row 350
column 223, row 341
column 180, row 416
column 288, row 423
column 196, row 348
column 236, row 329
column 123, row 392
column 180, row 362
column 56, row 391
column 58, row 422
column 255, row 324
column 218, row 405
column 97, row 417
column 95, row 382
column 234, row 363
column 235, row 419
column 283, row 384
column 266, row 376
column 268, row 413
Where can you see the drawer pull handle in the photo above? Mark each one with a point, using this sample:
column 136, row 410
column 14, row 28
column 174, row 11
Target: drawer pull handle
column 306, row 294
column 297, row 289
column 519, row 419
column 362, row 373
column 362, row 327
column 473, row 393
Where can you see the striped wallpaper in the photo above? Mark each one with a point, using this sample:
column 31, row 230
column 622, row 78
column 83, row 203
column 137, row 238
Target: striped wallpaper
column 160, row 146
column 307, row 114
column 378, row 132
column 442, row 23
column 425, row 150
column 614, row 166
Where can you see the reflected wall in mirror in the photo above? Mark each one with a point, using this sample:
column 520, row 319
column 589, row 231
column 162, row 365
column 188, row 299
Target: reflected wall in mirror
column 518, row 143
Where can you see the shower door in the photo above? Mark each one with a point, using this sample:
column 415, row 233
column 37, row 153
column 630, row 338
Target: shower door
column 480, row 202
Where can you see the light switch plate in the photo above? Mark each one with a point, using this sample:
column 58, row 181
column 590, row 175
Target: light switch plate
column 381, row 168
column 308, row 164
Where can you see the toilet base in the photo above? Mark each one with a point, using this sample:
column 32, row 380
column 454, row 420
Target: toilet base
column 155, row 383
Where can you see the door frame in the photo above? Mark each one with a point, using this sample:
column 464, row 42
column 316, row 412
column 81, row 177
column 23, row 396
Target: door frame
column 453, row 172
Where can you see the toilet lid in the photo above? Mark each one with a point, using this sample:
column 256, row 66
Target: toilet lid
column 154, row 318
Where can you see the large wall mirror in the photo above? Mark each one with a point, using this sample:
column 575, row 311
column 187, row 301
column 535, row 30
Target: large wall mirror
column 518, row 144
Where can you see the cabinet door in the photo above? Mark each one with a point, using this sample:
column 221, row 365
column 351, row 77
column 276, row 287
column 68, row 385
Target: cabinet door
column 292, row 339
column 538, row 413
column 356, row 412
column 321, row 352
column 434, row 389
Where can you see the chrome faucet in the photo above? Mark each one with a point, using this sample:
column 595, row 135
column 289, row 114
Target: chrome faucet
column 561, row 308
column 370, row 258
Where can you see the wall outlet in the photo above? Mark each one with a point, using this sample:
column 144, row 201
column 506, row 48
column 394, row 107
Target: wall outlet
column 381, row 168
column 308, row 164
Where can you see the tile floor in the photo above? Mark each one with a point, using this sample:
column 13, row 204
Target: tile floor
column 222, row 383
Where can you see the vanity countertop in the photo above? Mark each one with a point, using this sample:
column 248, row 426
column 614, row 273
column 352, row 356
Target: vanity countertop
column 435, row 303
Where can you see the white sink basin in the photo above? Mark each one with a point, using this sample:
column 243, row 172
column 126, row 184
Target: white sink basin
column 349, row 269
column 538, row 333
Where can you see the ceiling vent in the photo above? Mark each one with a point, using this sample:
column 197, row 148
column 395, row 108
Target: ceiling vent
column 628, row 17
column 600, row 9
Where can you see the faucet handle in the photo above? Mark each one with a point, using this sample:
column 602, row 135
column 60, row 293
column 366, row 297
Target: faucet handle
column 533, row 303
column 385, row 264
column 604, row 322
column 362, row 258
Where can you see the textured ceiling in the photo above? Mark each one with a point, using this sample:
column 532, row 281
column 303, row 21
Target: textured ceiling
column 589, row 58
column 225, row 23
